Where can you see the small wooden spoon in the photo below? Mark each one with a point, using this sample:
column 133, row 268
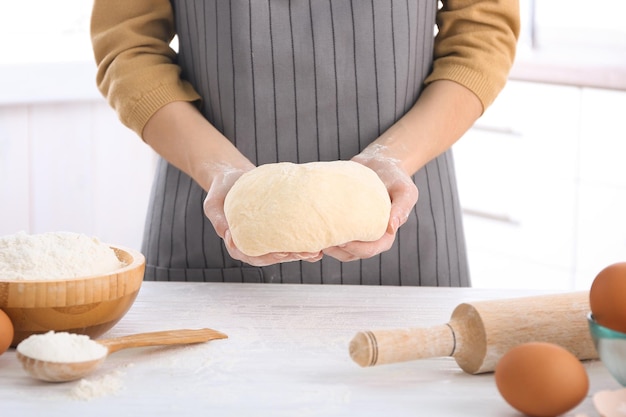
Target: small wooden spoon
column 70, row 371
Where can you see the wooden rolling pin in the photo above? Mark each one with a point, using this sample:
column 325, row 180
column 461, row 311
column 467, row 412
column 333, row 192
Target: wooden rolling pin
column 479, row 333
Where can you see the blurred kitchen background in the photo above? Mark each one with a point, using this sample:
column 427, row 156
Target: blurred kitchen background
column 542, row 175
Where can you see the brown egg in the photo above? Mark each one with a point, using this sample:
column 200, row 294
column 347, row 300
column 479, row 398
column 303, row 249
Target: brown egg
column 541, row 379
column 6, row 332
column 607, row 297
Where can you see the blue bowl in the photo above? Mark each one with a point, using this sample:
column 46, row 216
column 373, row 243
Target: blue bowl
column 611, row 347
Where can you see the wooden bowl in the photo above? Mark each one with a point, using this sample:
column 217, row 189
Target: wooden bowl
column 89, row 305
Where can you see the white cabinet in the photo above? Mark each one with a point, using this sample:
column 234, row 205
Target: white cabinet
column 543, row 195
column 14, row 178
column 517, row 180
column 72, row 166
column 601, row 225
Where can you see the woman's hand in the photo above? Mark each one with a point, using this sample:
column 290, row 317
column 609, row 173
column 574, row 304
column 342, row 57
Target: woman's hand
column 443, row 113
column 181, row 134
column 223, row 179
column 403, row 194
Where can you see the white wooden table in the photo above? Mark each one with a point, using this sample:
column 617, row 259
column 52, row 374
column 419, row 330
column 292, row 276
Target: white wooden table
column 286, row 355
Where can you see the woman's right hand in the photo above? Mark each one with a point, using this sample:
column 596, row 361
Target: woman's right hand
column 224, row 177
column 181, row 135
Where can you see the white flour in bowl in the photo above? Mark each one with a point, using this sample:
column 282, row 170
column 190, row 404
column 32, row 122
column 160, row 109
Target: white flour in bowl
column 61, row 347
column 53, row 256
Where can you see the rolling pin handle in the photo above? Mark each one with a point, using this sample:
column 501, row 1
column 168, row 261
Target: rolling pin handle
column 369, row 348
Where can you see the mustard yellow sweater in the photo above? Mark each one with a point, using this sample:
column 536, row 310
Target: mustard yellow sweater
column 475, row 47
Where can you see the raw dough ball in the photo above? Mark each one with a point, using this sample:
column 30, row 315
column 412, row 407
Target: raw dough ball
column 286, row 207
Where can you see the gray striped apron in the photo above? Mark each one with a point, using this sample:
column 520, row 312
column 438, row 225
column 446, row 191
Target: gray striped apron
column 301, row 81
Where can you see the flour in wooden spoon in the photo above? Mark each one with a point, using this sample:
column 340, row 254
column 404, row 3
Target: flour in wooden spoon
column 53, row 256
column 61, row 347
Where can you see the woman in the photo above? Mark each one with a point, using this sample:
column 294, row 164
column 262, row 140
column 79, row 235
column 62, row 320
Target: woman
column 257, row 82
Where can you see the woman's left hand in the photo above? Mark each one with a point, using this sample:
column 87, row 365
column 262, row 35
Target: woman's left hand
column 403, row 194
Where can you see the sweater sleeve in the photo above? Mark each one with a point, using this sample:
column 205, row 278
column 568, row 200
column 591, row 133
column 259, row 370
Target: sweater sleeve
column 136, row 68
column 138, row 74
column 475, row 45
